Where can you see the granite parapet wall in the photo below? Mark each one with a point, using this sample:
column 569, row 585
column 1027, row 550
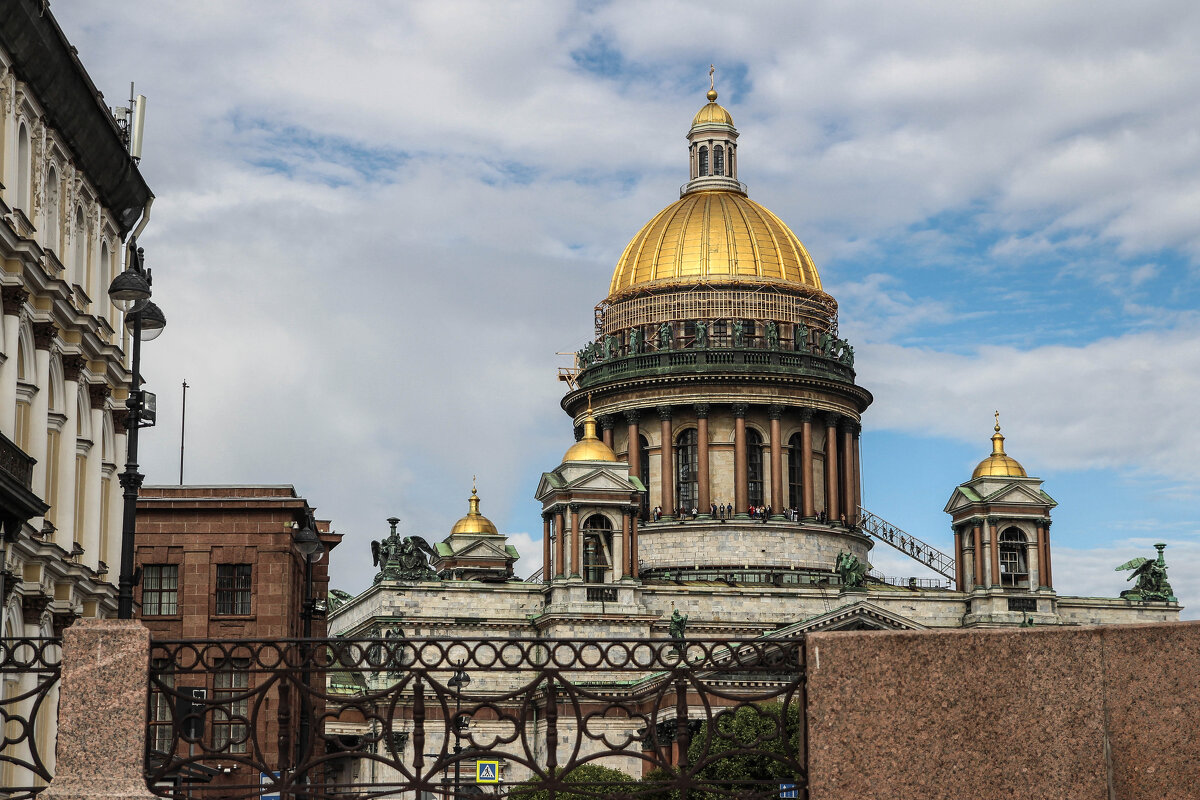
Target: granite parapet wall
column 1095, row 713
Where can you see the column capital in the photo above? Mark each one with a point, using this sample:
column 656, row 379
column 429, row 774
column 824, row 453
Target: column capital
column 992, row 520
column 547, row 516
column 701, row 410
column 633, row 416
column 72, row 366
column 775, row 411
column 98, row 394
column 847, row 425
column 43, row 335
column 14, row 299
column 806, row 414
column 607, row 422
column 574, row 507
column 1046, row 523
column 740, row 409
column 831, row 419
column 120, row 418
column 665, row 412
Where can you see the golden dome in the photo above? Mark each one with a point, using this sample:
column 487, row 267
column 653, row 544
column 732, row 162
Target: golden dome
column 999, row 464
column 711, row 113
column 473, row 522
column 589, row 448
column 713, row 237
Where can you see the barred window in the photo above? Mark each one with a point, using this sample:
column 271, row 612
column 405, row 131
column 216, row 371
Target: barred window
column 703, row 161
column 161, row 733
column 233, row 588
column 795, row 471
column 687, row 465
column 718, row 160
column 754, row 467
column 230, row 689
column 160, row 589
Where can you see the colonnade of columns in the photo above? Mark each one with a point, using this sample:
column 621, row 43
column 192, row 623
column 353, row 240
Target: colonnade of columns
column 981, row 538
column 564, row 559
column 842, row 475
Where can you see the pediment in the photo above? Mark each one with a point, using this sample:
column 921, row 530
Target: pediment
column 961, row 498
column 482, row 549
column 858, row 615
column 1017, row 493
column 602, row 480
column 548, row 484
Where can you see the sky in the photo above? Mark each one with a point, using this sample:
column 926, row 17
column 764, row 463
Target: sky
column 377, row 223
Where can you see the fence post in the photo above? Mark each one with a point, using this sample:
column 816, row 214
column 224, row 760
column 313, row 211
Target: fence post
column 102, row 712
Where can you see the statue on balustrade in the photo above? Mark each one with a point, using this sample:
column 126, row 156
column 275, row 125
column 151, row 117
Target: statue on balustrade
column 664, row 336
column 772, row 335
column 701, row 334
column 635, row 341
column 847, row 354
column 739, row 333
column 826, row 345
column 610, row 347
column 1151, row 577
column 800, row 334
column 852, row 570
column 402, row 558
column 676, row 629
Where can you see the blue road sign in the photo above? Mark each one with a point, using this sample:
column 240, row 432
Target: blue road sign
column 487, row 771
column 267, row 782
column 788, row 790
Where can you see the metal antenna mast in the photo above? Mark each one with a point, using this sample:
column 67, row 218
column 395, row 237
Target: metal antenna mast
column 182, row 429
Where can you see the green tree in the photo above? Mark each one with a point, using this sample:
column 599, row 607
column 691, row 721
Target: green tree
column 587, row 782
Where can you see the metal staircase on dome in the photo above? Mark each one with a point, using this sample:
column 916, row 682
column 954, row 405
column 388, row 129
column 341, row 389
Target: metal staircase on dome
column 906, row 543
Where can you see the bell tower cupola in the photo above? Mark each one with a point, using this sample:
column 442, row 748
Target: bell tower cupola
column 712, row 147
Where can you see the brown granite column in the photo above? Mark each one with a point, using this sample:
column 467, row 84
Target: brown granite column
column 667, row 459
column 741, row 487
column 958, row 561
column 634, row 447
column 1046, row 544
column 775, row 414
column 560, row 543
column 832, row 508
column 856, row 453
column 606, row 428
column 621, row 566
column 994, row 549
column 576, row 542
column 704, row 490
column 102, row 712
column 849, row 501
column 978, row 555
column 809, row 510
column 633, row 542
column 546, row 565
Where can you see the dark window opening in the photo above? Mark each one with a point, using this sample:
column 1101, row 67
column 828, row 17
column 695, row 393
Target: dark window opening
column 795, row 472
column 687, row 465
column 718, row 160
column 703, row 161
column 233, row 589
column 160, row 589
column 754, row 467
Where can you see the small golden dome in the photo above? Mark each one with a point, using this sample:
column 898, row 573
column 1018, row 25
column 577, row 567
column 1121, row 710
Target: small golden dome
column 713, row 237
column 589, row 448
column 473, row 522
column 999, row 464
column 711, row 113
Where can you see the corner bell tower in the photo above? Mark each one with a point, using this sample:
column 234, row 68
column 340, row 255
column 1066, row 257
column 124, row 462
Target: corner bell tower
column 1001, row 522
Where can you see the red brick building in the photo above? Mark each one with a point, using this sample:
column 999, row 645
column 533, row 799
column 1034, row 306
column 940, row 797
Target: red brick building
column 223, row 562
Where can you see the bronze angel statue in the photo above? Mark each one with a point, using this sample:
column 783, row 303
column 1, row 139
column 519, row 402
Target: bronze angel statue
column 1151, row 577
column 402, row 558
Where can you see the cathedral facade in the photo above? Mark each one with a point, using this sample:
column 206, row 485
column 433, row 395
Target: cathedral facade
column 715, row 476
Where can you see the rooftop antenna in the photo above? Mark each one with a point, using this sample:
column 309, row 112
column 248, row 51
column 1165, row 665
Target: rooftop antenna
column 137, row 121
column 182, row 430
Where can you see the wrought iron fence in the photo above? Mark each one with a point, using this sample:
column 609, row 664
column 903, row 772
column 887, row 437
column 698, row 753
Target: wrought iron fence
column 29, row 673
column 521, row 718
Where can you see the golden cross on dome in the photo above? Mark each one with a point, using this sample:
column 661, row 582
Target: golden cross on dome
column 712, row 83
column 997, row 421
column 472, row 484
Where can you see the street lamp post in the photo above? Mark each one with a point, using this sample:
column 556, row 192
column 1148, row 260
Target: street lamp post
column 458, row 681
column 309, row 544
column 130, row 292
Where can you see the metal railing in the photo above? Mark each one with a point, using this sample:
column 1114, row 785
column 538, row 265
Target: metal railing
column 29, row 674
column 401, row 716
column 906, row 543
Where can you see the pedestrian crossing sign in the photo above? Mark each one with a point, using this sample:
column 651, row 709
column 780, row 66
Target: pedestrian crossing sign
column 487, row 771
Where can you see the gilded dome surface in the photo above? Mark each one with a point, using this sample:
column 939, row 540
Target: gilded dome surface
column 590, row 447
column 999, row 464
column 713, row 237
column 473, row 522
column 712, row 114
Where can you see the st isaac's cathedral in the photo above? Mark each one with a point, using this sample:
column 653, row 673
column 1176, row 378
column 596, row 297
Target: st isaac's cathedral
column 716, row 471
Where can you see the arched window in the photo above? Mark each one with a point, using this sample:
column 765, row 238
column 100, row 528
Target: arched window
column 52, row 235
column 795, row 473
column 718, row 160
column 644, row 469
column 1014, row 567
column 106, row 277
column 79, row 245
column 703, row 161
column 686, row 466
column 754, row 467
column 597, row 547
column 22, row 200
